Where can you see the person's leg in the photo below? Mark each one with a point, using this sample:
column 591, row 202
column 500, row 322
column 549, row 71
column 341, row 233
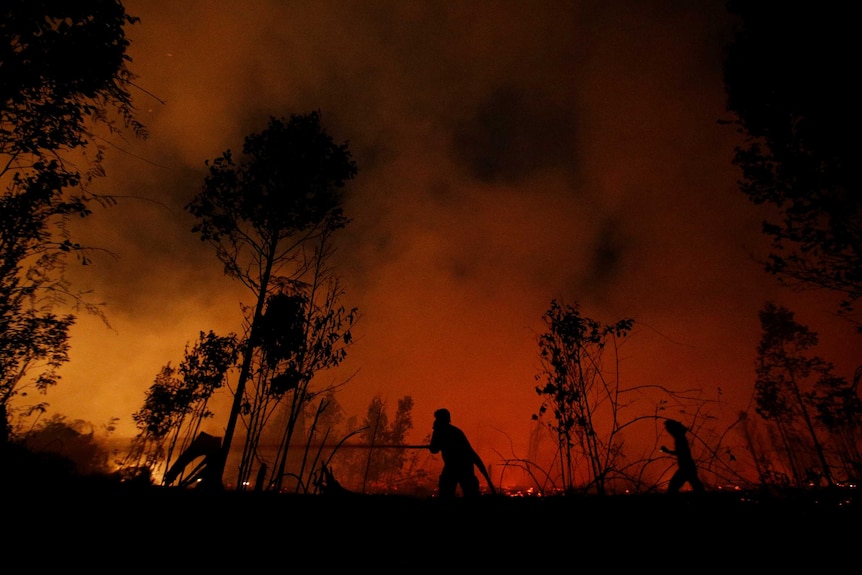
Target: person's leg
column 446, row 485
column 695, row 483
column 676, row 482
column 470, row 486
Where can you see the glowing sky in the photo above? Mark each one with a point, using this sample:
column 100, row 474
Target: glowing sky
column 509, row 153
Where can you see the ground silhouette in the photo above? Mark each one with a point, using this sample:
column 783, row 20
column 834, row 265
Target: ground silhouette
column 103, row 524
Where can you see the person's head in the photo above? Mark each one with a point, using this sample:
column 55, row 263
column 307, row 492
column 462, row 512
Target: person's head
column 674, row 427
column 442, row 415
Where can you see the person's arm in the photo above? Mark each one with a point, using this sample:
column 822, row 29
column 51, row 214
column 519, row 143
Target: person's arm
column 478, row 461
column 434, row 446
column 664, row 449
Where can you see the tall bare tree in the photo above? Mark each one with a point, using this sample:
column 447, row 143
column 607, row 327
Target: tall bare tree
column 263, row 216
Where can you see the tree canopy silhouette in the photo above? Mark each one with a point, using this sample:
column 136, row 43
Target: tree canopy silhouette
column 798, row 393
column 64, row 76
column 790, row 77
column 269, row 217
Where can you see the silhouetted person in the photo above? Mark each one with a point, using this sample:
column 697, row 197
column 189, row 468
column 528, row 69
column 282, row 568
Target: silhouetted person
column 458, row 458
column 686, row 468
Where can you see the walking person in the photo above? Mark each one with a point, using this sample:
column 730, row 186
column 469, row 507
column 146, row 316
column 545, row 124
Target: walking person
column 686, row 468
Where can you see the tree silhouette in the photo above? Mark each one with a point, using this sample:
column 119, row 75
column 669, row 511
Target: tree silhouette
column 784, row 369
column 791, row 84
column 839, row 411
column 64, row 87
column 382, row 464
column 270, row 218
column 575, row 386
column 325, row 336
column 177, row 402
column 299, row 336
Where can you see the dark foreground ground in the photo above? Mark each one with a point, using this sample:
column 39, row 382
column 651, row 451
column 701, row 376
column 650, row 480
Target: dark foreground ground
column 109, row 528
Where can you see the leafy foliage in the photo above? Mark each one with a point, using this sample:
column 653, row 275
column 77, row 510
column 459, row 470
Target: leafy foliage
column 384, row 467
column 288, row 183
column 64, row 65
column 791, row 84
column 270, row 217
column 785, row 371
column 177, row 401
column 63, row 75
column 575, row 385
